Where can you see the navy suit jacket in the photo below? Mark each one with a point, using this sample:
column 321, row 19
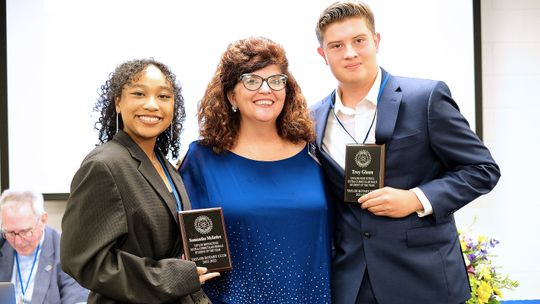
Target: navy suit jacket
column 429, row 145
column 51, row 284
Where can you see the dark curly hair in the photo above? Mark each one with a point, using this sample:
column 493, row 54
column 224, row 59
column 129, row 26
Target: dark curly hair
column 125, row 74
column 219, row 126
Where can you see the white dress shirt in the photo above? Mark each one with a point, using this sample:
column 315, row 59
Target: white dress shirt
column 358, row 122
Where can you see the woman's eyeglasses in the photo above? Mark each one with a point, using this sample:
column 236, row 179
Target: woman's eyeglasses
column 254, row 82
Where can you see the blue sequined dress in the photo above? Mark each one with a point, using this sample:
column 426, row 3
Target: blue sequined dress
column 277, row 221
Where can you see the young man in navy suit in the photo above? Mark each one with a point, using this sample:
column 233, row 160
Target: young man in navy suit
column 399, row 243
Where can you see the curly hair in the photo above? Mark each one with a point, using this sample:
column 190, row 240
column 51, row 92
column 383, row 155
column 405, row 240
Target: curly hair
column 124, row 74
column 219, row 126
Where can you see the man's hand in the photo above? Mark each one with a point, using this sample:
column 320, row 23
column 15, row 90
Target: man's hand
column 391, row 202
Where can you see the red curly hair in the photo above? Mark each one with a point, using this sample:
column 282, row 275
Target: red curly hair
column 219, row 125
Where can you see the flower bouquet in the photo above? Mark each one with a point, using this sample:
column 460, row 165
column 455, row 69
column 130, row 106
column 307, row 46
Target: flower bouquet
column 486, row 283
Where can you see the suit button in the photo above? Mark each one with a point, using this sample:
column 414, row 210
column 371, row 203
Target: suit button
column 367, row 235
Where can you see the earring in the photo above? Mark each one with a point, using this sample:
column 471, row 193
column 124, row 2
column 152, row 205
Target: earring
column 234, row 108
column 172, row 128
column 116, row 123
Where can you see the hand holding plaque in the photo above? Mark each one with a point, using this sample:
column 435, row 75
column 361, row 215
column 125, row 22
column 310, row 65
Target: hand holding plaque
column 364, row 170
column 205, row 239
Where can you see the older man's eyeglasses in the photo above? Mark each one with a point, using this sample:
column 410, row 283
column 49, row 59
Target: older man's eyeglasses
column 254, row 82
column 25, row 233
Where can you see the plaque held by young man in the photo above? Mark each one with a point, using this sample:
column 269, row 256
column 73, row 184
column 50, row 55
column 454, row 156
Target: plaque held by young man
column 205, row 239
column 364, row 170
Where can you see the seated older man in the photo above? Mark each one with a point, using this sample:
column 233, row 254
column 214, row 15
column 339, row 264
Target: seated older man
column 30, row 258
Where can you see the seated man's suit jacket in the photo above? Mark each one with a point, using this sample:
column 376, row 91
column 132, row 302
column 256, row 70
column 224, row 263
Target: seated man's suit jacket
column 51, row 284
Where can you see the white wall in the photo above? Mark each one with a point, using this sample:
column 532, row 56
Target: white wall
column 55, row 209
column 61, row 51
column 511, row 76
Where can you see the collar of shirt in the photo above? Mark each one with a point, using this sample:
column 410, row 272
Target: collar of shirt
column 370, row 97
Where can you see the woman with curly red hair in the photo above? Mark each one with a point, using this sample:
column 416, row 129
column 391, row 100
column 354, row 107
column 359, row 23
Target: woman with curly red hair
column 253, row 159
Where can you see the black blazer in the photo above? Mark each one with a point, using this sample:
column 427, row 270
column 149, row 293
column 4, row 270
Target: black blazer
column 120, row 235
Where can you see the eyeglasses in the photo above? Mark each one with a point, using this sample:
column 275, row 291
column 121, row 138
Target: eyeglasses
column 25, row 233
column 254, row 82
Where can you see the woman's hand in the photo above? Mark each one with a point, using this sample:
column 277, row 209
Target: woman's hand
column 204, row 276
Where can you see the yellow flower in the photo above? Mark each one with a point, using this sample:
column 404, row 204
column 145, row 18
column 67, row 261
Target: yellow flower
column 498, row 292
column 463, row 244
column 484, row 292
column 485, row 273
column 482, row 239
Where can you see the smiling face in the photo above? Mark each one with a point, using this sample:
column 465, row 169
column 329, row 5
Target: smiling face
column 350, row 49
column 146, row 106
column 260, row 106
column 22, row 220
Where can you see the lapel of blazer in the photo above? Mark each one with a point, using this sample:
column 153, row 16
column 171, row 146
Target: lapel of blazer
column 387, row 109
column 148, row 171
column 44, row 269
column 333, row 168
column 320, row 115
column 6, row 260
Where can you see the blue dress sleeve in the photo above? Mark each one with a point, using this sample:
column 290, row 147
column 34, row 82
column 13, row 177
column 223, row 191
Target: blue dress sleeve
column 191, row 173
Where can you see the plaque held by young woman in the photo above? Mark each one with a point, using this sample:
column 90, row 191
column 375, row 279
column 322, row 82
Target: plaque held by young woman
column 205, row 239
column 364, row 170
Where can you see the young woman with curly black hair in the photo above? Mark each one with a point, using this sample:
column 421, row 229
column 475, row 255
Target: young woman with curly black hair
column 120, row 229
